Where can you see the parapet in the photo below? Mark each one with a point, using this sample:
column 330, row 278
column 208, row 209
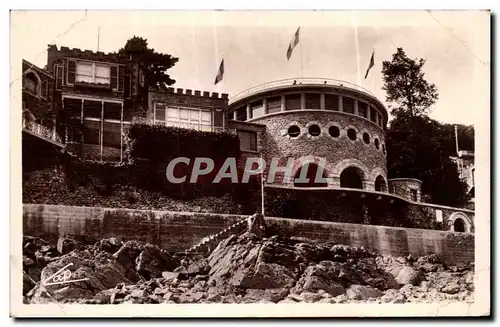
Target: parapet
column 196, row 93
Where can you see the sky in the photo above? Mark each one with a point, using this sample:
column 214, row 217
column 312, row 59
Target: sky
column 333, row 44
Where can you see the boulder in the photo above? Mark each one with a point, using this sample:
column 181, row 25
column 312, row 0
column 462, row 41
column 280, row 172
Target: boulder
column 126, row 256
column 96, row 273
column 363, row 292
column 152, row 261
column 66, row 245
column 270, row 295
column 110, row 245
column 320, row 277
column 409, row 275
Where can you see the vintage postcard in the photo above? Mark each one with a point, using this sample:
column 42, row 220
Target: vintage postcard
column 250, row 163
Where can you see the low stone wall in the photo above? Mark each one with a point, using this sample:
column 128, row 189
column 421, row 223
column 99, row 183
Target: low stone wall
column 180, row 230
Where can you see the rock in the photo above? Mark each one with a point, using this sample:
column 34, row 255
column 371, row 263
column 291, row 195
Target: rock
column 100, row 272
column 191, row 297
column 169, row 276
column 152, row 261
column 362, row 292
column 451, row 288
column 66, row 245
column 271, row 294
column 27, row 261
column 126, row 257
column 408, row 275
column 310, row 297
column 320, row 277
column 110, row 245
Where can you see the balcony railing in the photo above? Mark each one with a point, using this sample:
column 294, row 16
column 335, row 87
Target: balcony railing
column 42, row 131
column 297, row 81
column 197, row 127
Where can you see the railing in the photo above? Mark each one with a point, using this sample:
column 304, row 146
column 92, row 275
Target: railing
column 42, row 131
column 197, row 127
column 298, row 81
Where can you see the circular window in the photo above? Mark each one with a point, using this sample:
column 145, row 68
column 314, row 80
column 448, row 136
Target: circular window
column 366, row 138
column 383, row 148
column 351, row 133
column 334, row 131
column 377, row 144
column 314, row 130
column 294, row 131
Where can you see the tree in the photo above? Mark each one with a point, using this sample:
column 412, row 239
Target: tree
column 405, row 85
column 154, row 64
column 420, row 147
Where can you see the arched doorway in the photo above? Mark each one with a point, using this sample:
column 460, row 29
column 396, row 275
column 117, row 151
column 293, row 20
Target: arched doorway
column 459, row 225
column 351, row 177
column 380, row 184
column 311, row 172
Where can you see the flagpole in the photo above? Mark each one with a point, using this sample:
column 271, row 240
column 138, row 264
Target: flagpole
column 356, row 43
column 301, row 60
column 262, row 184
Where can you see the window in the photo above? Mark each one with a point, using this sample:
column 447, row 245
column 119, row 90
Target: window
column 184, row 117
column 366, row 138
column 351, row 134
column 377, row 143
column 348, row 105
column 91, row 72
column 331, row 102
column 334, row 131
column 313, row 101
column 241, row 114
column 257, row 109
column 59, row 76
column 92, row 132
column 294, row 131
column 293, row 102
column 92, row 109
column 273, row 105
column 31, row 83
column 111, row 134
column 362, row 109
column 112, row 111
column 248, row 140
column 314, row 130
column 414, row 195
column 373, row 115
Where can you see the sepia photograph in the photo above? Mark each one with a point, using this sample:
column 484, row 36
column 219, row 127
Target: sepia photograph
column 250, row 163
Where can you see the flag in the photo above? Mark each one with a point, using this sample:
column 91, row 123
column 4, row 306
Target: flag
column 372, row 63
column 293, row 44
column 220, row 73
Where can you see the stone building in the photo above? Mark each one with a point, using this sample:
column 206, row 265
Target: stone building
column 82, row 101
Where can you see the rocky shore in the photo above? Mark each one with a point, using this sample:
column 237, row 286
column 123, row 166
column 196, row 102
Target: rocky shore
column 241, row 269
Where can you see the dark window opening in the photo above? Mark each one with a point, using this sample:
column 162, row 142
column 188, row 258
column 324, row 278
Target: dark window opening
column 377, row 143
column 373, row 115
column 351, row 177
column 351, row 134
column 459, row 226
column 92, row 109
column 380, row 184
column 112, row 110
column 294, row 131
column 331, row 102
column 348, row 105
column 414, row 195
column 362, row 109
column 241, row 114
column 314, row 130
column 366, row 138
column 313, row 101
column 334, row 131
column 293, row 102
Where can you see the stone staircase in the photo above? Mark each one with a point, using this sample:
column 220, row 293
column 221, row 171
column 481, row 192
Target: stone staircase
column 209, row 243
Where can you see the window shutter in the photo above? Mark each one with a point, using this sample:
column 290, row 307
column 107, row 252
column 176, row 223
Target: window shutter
column 71, row 72
column 59, row 77
column 114, row 77
column 121, row 78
